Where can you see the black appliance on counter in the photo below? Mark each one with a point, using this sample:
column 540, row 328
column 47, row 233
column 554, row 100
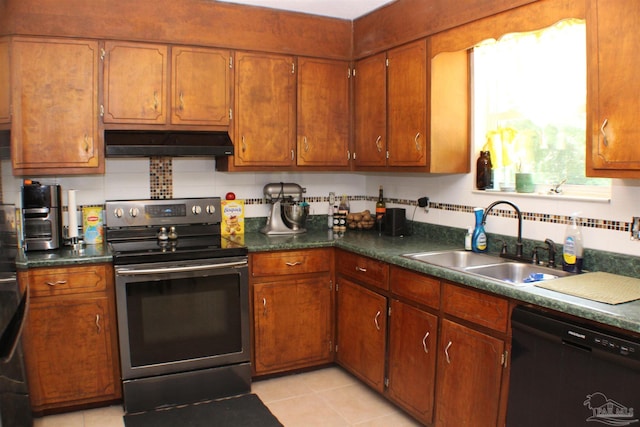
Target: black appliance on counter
column 15, row 407
column 42, row 216
column 182, row 296
column 394, row 222
column 566, row 374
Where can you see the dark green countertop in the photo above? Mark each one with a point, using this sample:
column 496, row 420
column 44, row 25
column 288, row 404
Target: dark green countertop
column 388, row 249
column 88, row 254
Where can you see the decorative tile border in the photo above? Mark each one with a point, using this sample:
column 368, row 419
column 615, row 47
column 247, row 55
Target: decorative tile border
column 603, row 224
column 161, row 177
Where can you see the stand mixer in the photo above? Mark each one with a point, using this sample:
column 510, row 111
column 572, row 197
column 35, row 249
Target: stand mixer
column 288, row 210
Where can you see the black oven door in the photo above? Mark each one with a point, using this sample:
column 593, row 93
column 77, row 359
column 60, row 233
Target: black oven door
column 183, row 316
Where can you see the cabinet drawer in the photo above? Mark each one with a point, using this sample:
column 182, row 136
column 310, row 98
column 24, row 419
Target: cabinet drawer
column 415, row 287
column 68, row 280
column 477, row 307
column 290, row 262
column 363, row 269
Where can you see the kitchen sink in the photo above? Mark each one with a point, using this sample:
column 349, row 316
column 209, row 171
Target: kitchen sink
column 456, row 259
column 517, row 273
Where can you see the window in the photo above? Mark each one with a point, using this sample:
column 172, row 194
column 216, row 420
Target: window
column 529, row 105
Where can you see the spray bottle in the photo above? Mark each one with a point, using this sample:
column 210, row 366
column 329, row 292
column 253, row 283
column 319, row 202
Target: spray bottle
column 572, row 248
column 479, row 237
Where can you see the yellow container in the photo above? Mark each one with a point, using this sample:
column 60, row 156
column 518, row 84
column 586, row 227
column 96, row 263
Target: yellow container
column 232, row 217
column 92, row 225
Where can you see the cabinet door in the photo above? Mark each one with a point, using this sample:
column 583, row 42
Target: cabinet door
column 412, row 359
column 362, row 331
column 5, row 98
column 614, row 87
column 292, row 324
column 407, row 105
column 323, row 112
column 470, row 369
column 265, row 110
column 68, row 346
column 371, row 112
column 135, row 83
column 201, row 86
column 55, row 107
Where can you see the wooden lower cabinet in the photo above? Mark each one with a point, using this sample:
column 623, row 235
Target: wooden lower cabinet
column 292, row 324
column 469, row 379
column 362, row 332
column 70, row 337
column 292, row 303
column 413, row 337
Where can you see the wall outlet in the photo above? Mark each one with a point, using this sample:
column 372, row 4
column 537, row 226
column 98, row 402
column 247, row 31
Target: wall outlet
column 635, row 228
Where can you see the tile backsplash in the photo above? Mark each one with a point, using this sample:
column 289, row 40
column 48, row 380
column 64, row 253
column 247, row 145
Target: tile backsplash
column 605, row 225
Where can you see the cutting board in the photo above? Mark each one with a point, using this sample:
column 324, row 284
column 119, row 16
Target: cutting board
column 599, row 286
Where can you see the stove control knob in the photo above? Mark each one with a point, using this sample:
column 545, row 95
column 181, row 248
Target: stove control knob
column 196, row 209
column 118, row 212
column 173, row 234
column 133, row 212
column 211, row 209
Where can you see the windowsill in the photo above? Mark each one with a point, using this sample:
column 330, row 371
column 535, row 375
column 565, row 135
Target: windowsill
column 580, row 197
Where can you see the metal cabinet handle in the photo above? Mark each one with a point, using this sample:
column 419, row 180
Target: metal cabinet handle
column 293, row 155
column 181, row 106
column 264, row 305
column 446, row 352
column 604, row 134
column 375, row 320
column 56, row 283
column 362, row 269
column 306, row 144
column 156, row 101
column 86, row 143
column 244, row 145
column 424, row 342
column 293, row 264
column 417, row 142
column 98, row 327
column 378, row 145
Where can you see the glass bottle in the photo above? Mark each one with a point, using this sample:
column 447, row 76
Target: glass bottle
column 381, row 209
column 483, row 171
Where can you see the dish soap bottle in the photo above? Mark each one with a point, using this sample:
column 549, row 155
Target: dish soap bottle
column 572, row 248
column 479, row 237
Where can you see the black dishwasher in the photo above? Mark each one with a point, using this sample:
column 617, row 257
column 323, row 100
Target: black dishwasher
column 567, row 374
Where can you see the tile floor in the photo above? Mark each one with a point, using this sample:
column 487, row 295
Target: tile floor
column 328, row 397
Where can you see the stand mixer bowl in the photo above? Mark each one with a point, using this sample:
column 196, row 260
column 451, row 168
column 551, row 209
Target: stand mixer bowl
column 295, row 215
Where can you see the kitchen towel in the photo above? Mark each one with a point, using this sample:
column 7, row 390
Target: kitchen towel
column 599, row 286
column 246, row 411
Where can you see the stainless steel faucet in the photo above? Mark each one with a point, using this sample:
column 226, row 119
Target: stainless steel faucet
column 519, row 241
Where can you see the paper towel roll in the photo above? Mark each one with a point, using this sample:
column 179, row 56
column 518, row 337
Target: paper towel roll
column 73, row 214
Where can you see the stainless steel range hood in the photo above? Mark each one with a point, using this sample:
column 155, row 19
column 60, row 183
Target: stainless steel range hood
column 131, row 143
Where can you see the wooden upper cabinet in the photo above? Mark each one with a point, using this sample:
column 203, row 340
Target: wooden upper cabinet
column 201, row 86
column 407, row 105
column 371, row 112
column 55, row 126
column 5, row 95
column 323, row 113
column 265, row 110
column 135, row 82
column 614, row 101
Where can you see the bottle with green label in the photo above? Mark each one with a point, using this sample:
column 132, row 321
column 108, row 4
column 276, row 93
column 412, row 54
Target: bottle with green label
column 479, row 237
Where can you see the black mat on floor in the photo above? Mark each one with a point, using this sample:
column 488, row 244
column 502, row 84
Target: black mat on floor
column 242, row 411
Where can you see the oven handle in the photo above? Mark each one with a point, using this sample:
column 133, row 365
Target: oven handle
column 200, row 267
